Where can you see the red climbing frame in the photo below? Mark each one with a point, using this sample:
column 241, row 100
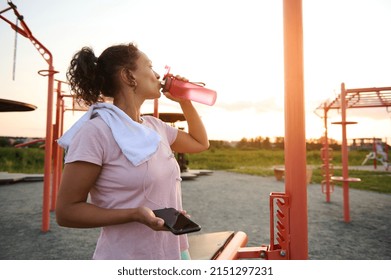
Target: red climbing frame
column 289, row 209
column 25, row 31
column 348, row 98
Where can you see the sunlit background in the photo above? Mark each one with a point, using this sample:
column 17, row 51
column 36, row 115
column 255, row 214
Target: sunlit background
column 235, row 47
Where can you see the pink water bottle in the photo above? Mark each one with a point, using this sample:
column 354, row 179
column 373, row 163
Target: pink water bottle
column 188, row 90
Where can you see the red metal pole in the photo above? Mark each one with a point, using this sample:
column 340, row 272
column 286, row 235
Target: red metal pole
column 48, row 153
column 295, row 144
column 344, row 151
column 54, row 172
column 61, row 151
column 47, row 56
column 56, row 148
column 375, row 151
column 327, row 156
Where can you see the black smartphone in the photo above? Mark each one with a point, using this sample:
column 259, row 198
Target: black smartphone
column 176, row 222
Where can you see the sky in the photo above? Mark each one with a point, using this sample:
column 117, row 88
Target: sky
column 235, row 47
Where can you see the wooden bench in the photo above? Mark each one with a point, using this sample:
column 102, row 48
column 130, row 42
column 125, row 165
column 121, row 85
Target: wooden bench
column 216, row 245
column 279, row 173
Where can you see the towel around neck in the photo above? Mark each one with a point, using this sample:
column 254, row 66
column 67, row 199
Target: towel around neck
column 137, row 142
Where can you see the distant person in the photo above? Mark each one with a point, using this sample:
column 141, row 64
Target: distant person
column 123, row 160
column 380, row 151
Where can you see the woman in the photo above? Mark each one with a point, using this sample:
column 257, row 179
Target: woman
column 123, row 160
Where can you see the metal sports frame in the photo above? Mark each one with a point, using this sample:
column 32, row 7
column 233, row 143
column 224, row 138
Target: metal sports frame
column 291, row 212
column 47, row 56
column 348, row 99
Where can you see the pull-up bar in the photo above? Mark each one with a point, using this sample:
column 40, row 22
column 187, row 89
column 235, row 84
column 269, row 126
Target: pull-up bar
column 45, row 53
column 374, row 97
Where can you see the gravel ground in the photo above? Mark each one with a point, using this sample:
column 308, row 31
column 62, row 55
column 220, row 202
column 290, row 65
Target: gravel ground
column 218, row 202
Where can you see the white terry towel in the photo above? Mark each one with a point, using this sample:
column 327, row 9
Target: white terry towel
column 137, row 142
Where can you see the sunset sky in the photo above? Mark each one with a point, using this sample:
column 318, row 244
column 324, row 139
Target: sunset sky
column 235, row 47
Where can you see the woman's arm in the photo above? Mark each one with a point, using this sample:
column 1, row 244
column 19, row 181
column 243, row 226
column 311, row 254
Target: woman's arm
column 196, row 140
column 73, row 210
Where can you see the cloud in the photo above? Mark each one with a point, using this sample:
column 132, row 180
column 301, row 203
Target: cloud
column 260, row 106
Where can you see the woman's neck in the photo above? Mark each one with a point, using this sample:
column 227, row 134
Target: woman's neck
column 130, row 107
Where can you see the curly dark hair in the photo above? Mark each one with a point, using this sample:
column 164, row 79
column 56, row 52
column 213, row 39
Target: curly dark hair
column 91, row 78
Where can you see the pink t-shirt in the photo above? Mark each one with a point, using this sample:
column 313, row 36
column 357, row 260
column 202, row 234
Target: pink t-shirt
column 154, row 184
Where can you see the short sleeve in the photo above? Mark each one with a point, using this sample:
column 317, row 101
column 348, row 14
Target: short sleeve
column 88, row 143
column 165, row 130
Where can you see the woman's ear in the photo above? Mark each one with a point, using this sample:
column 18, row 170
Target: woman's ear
column 128, row 78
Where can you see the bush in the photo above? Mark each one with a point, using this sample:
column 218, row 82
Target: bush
column 22, row 160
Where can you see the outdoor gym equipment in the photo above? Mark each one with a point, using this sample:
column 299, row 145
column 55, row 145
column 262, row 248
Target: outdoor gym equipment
column 348, row 98
column 288, row 210
column 47, row 56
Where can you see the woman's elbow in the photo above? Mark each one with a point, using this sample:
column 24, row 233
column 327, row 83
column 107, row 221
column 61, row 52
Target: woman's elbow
column 61, row 216
column 206, row 146
column 201, row 147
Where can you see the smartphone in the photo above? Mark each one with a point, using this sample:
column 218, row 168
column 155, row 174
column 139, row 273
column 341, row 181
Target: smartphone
column 176, row 222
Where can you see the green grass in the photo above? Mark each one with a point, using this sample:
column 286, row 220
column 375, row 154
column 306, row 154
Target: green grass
column 228, row 159
column 247, row 161
column 22, row 160
column 261, row 162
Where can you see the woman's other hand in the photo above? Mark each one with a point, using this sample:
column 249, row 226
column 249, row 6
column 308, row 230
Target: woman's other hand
column 148, row 218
